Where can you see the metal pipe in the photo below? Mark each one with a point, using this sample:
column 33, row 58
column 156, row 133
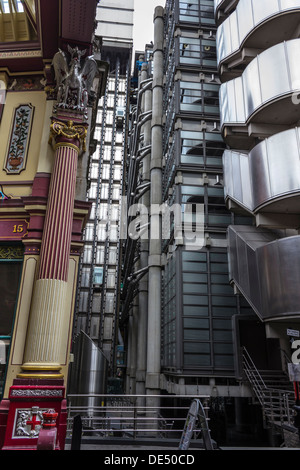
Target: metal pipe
column 154, row 275
column 146, row 151
column 141, row 194
column 136, row 273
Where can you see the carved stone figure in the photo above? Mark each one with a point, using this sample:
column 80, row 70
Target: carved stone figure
column 74, row 79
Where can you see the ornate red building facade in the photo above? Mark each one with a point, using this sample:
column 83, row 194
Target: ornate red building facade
column 51, row 79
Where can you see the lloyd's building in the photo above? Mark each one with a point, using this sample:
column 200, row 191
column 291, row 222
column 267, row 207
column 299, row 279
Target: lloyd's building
column 258, row 49
column 233, row 344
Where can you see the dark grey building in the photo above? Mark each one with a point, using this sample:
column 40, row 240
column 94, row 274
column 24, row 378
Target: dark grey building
column 180, row 315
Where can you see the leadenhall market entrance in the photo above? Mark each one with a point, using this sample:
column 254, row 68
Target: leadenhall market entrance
column 11, row 261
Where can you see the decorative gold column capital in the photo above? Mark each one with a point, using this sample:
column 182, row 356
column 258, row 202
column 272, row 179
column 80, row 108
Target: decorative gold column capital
column 68, row 134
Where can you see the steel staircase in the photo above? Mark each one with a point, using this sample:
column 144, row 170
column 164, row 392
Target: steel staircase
column 274, row 392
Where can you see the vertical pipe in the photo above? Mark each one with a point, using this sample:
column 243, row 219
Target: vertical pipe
column 144, row 253
column 154, row 274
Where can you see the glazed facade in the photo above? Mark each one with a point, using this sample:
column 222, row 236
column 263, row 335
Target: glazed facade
column 97, row 307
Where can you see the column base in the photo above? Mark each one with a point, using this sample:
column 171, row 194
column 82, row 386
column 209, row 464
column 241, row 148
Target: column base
column 28, row 400
column 40, row 371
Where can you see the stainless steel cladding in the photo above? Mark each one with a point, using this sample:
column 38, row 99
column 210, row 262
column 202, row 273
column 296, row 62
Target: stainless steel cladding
column 271, row 77
column 220, row 6
column 88, row 374
column 269, row 173
column 249, row 26
column 266, row 271
column 258, row 56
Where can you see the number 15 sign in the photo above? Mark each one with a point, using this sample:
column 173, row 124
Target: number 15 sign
column 12, row 229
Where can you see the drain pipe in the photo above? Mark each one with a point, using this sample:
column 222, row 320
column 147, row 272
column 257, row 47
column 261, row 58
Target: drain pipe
column 154, row 273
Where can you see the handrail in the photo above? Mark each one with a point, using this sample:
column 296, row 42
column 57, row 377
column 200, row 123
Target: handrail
column 254, row 367
column 122, row 414
column 287, row 359
column 275, row 402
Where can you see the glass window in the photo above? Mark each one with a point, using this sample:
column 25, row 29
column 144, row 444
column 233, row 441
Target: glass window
column 169, row 314
column 195, row 300
column 109, row 304
column 196, row 267
column 87, row 254
column 189, row 288
column 107, row 153
column 206, row 152
column 196, row 335
column 199, row 97
column 117, row 172
column 89, row 232
column 197, row 360
column 10, row 273
column 93, row 190
column 99, row 116
column 104, row 190
column 108, row 135
column 97, row 133
column 199, row 348
column 81, row 323
column 223, row 311
column 5, row 6
column 95, row 324
column 83, row 301
column 110, row 100
column 221, row 289
column 207, row 326
column 85, row 277
column 193, row 256
column 114, row 215
column 113, row 233
column 194, row 277
column 196, row 323
column 103, row 211
column 197, row 311
column 116, row 191
column 198, row 51
column 94, row 170
column 98, row 275
column 102, row 232
column 118, row 154
column 112, row 255
column 100, row 255
column 197, row 12
column 106, row 171
column 111, row 278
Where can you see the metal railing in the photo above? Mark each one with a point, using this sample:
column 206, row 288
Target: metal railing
column 131, row 416
column 276, row 403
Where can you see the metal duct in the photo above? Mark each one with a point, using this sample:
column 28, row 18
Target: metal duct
column 88, row 373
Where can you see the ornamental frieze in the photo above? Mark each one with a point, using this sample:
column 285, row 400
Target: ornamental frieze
column 28, row 393
column 26, row 84
column 11, row 252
